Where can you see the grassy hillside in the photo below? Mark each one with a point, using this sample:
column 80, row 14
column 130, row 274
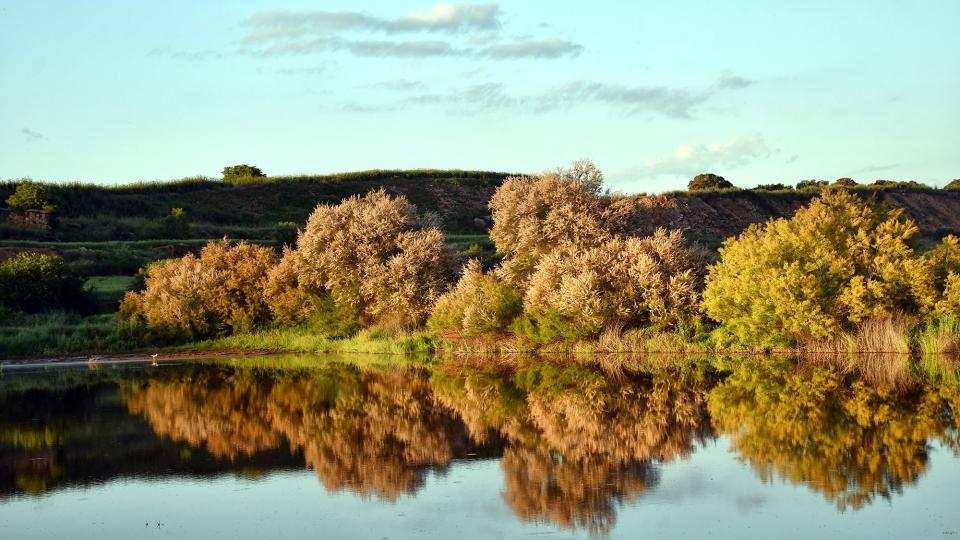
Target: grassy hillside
column 89, row 212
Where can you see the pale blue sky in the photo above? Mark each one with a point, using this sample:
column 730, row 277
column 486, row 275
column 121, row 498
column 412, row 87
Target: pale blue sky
column 653, row 92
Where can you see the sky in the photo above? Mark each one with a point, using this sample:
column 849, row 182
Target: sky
column 653, row 92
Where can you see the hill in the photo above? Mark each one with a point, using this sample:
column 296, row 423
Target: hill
column 88, row 212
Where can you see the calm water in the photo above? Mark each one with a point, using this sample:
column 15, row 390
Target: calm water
column 320, row 449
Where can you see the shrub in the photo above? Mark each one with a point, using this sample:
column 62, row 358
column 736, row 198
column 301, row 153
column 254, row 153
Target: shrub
column 31, row 196
column 846, row 182
column 193, row 297
column 175, row 225
column 242, row 174
column 772, row 187
column 34, row 282
column 285, row 232
column 481, row 303
column 377, row 256
column 621, row 283
column 811, row 185
column 534, row 214
column 837, row 262
column 954, row 184
column 708, row 181
column 898, row 184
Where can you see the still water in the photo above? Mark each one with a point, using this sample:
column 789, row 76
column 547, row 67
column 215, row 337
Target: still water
column 315, row 448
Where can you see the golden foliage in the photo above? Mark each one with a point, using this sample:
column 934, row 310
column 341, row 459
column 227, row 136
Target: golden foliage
column 220, row 291
column 838, row 261
column 375, row 255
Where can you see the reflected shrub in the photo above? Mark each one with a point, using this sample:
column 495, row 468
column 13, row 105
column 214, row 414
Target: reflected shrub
column 845, row 438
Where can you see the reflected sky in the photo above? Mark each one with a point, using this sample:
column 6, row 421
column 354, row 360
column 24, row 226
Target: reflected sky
column 340, row 451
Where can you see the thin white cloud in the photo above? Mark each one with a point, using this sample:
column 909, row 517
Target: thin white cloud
column 676, row 102
column 691, row 159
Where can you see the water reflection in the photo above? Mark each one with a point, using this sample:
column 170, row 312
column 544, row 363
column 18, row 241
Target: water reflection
column 841, row 436
column 574, row 445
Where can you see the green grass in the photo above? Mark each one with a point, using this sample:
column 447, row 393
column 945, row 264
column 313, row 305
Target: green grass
column 117, row 244
column 110, row 285
column 59, row 333
column 304, row 340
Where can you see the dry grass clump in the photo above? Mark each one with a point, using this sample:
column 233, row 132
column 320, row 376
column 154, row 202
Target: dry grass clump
column 193, row 297
column 375, row 256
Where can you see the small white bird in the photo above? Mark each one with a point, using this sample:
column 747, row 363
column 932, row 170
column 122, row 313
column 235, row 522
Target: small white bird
column 92, row 360
column 154, row 356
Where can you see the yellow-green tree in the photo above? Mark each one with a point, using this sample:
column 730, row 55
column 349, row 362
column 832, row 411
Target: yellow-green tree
column 838, row 261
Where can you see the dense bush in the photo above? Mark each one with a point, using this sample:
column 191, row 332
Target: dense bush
column 954, row 184
column 945, row 264
column 34, row 282
column 620, row 283
column 285, row 232
column 811, row 185
column 708, row 181
column 481, row 303
column 376, row 256
column 193, row 297
column 846, row 182
column 532, row 215
column 242, row 174
column 31, row 196
column 773, row 187
column 837, row 262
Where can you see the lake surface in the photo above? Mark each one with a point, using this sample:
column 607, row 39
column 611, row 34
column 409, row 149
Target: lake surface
column 315, row 448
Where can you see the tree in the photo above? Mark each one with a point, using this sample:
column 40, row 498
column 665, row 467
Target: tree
column 708, row 181
column 846, row 182
column 375, row 256
column 955, row 184
column 33, row 282
column 31, row 195
column 837, row 262
column 811, row 184
column 242, row 174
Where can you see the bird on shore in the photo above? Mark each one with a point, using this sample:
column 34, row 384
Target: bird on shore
column 92, row 360
column 154, row 357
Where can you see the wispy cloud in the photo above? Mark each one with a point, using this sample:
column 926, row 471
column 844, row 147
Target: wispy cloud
column 729, row 81
column 694, row 158
column 442, row 17
column 399, row 85
column 31, row 135
column 532, row 48
column 189, row 56
column 628, row 100
column 468, row 30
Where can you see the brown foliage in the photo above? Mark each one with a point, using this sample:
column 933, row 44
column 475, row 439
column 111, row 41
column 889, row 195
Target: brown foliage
column 375, row 255
column 220, row 291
